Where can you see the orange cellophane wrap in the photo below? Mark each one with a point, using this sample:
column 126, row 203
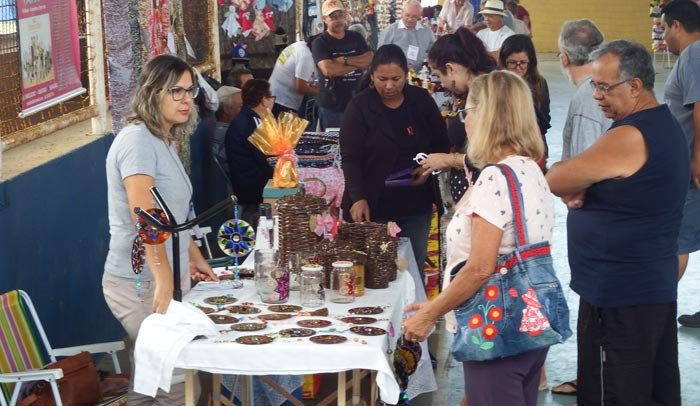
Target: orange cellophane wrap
column 279, row 137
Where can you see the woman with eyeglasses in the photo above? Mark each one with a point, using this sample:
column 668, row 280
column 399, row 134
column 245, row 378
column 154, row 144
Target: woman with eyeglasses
column 385, row 126
column 518, row 56
column 457, row 60
column 143, row 155
column 248, row 167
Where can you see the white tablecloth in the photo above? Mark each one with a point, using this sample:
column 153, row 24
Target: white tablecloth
column 221, row 354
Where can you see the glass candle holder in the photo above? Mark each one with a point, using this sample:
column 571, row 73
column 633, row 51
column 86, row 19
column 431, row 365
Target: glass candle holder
column 271, row 280
column 312, row 292
column 343, row 282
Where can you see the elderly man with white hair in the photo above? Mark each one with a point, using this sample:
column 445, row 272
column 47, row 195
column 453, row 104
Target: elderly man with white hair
column 409, row 34
column 496, row 31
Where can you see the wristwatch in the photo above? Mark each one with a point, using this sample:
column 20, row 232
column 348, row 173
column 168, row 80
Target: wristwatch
column 345, row 60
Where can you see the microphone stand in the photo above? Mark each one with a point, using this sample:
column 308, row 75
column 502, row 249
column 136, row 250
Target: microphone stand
column 175, row 229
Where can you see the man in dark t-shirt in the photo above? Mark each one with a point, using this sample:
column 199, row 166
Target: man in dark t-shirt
column 340, row 56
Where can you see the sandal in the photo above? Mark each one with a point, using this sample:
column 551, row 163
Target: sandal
column 568, row 388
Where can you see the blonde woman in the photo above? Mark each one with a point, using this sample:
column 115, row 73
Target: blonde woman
column 502, row 128
column 143, row 155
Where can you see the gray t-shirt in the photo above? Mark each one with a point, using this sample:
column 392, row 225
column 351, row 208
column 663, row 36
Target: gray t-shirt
column 134, row 151
column 585, row 121
column 682, row 89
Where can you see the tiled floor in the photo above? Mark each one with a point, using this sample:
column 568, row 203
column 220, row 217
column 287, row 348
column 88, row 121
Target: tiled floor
column 561, row 363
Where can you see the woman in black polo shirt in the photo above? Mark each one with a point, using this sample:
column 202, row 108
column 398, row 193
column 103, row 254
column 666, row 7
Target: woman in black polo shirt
column 384, row 127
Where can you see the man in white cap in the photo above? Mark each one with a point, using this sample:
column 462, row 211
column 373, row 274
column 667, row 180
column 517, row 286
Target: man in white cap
column 409, row 34
column 496, row 31
column 230, row 103
column 340, row 56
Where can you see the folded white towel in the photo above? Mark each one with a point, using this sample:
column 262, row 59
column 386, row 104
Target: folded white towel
column 160, row 340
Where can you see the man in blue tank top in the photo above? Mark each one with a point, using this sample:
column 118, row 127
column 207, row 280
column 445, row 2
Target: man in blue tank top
column 627, row 193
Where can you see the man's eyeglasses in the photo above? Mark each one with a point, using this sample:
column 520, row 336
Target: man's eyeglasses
column 337, row 15
column 517, row 64
column 178, row 93
column 463, row 113
column 604, row 88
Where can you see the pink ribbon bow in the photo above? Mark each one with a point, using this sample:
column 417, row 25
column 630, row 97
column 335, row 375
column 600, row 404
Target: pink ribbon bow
column 326, row 226
column 393, row 229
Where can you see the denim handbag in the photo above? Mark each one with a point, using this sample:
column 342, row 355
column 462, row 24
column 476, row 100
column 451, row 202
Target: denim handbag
column 521, row 307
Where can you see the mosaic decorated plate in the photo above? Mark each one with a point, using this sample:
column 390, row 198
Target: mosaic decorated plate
column 366, row 310
column 314, row 323
column 274, row 316
column 150, row 234
column 284, row 308
column 236, row 238
column 248, row 326
column 239, row 309
column 297, row 332
column 254, row 340
column 222, row 319
column 358, row 320
column 206, row 310
column 368, row 331
column 220, row 300
column 328, row 339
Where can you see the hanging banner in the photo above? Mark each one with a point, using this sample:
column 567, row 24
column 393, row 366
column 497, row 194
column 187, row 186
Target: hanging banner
column 49, row 53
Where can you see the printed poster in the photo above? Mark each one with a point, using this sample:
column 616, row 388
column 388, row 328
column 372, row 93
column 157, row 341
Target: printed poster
column 49, row 53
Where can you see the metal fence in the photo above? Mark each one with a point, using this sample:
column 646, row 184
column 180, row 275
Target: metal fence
column 14, row 130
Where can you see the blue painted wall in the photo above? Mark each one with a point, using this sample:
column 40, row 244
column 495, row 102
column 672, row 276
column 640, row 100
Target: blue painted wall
column 54, row 238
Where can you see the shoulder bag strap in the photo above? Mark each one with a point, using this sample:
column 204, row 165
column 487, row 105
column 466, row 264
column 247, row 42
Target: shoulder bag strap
column 516, row 201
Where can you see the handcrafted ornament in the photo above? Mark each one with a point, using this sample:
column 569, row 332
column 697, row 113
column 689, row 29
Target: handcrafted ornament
column 138, row 259
column 245, row 21
column 260, row 29
column 239, row 52
column 279, row 137
column 230, row 24
column 236, row 239
column 150, row 234
column 657, row 37
column 268, row 17
column 324, row 225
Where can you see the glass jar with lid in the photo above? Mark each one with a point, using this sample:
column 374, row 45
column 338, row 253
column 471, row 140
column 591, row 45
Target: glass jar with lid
column 311, row 286
column 343, row 282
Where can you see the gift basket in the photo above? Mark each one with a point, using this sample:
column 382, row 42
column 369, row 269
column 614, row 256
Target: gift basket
column 338, row 250
column 279, row 137
column 380, row 247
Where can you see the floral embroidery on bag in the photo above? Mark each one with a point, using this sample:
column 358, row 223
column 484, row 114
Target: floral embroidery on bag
column 533, row 322
column 491, row 313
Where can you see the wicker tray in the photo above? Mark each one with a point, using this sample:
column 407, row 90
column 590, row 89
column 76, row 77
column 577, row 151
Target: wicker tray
column 294, row 213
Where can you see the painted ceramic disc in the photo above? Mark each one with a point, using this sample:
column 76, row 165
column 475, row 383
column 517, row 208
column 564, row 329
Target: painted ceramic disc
column 366, row 310
column 297, row 332
column 150, row 234
column 138, row 255
column 248, row 326
column 254, row 340
column 220, row 300
column 314, row 323
column 238, row 309
column 368, row 331
column 328, row 339
column 206, row 310
column 274, row 316
column 284, row 308
column 358, row 320
column 236, row 238
column 222, row 319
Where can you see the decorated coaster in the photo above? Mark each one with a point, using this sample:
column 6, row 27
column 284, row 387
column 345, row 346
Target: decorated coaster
column 206, row 310
column 358, row 320
column 254, row 340
column 366, row 310
column 328, row 339
column 248, row 326
column 274, row 316
column 222, row 319
column 138, row 255
column 150, row 234
column 368, row 331
column 297, row 332
column 220, row 300
column 314, row 323
column 284, row 308
column 239, row 309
